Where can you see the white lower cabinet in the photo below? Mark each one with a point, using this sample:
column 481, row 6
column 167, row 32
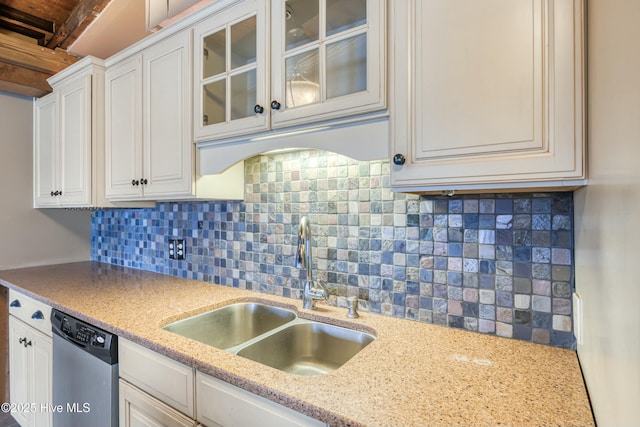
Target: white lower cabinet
column 138, row 409
column 220, row 404
column 165, row 379
column 30, row 360
column 157, row 391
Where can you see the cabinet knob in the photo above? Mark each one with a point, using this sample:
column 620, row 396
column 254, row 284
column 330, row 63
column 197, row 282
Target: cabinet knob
column 135, row 182
column 37, row 315
column 144, row 181
column 258, row 109
column 275, row 105
column 399, row 159
column 52, row 194
column 15, row 303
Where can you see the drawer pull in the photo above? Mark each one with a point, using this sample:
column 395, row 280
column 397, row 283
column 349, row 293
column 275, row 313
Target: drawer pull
column 15, row 303
column 37, row 315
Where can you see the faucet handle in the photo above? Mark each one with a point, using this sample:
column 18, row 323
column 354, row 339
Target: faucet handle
column 352, row 305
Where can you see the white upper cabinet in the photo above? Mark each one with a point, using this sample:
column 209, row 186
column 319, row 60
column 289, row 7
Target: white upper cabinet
column 264, row 65
column 75, row 141
column 45, row 162
column 123, row 131
column 62, row 146
column 149, row 145
column 67, row 123
column 488, row 94
column 327, row 59
column 230, row 72
column 149, row 150
column 168, row 152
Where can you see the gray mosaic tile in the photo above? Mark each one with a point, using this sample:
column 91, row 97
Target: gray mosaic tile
column 496, row 264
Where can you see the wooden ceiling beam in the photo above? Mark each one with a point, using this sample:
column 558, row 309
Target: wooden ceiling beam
column 37, row 58
column 23, row 81
column 81, row 16
column 26, row 18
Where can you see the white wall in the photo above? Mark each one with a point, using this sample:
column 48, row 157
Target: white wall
column 31, row 236
column 607, row 215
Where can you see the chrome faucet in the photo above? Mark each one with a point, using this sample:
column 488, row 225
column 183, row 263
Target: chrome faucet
column 312, row 291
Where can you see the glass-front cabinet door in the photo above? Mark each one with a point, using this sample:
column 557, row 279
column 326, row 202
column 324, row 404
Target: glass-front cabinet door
column 328, row 59
column 230, row 72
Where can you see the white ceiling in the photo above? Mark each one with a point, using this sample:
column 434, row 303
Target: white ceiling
column 121, row 24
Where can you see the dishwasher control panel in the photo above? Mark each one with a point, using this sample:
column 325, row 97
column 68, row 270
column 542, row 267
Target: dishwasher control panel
column 96, row 341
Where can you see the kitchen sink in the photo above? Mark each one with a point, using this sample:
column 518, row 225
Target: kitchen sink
column 232, row 324
column 274, row 336
column 308, row 348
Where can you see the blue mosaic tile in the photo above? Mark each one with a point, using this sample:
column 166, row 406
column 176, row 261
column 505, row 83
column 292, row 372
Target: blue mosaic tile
column 504, row 206
column 455, row 261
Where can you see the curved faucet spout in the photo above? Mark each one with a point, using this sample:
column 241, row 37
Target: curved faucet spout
column 304, row 246
column 312, row 292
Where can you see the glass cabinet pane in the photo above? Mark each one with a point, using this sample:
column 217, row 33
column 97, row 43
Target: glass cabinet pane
column 345, row 14
column 213, row 55
column 347, row 66
column 302, row 22
column 243, row 95
column 243, row 43
column 302, row 84
column 213, row 102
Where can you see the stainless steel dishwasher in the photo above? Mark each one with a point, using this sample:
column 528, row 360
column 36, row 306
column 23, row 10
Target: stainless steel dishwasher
column 85, row 374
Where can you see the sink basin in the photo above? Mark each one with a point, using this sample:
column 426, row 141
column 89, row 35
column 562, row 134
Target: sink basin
column 231, row 325
column 308, row 348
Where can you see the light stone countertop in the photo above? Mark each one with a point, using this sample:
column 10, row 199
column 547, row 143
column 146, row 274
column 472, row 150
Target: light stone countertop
column 413, row 374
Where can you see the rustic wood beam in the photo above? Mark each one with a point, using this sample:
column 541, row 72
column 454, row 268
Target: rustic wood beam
column 23, row 81
column 29, row 55
column 26, row 18
column 24, row 30
column 81, row 16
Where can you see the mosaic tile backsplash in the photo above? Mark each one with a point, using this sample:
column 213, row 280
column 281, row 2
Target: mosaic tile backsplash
column 497, row 264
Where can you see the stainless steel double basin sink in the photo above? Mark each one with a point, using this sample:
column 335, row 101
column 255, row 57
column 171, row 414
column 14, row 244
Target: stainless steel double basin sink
column 274, row 336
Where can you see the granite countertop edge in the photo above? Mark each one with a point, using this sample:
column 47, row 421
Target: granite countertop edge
column 413, row 374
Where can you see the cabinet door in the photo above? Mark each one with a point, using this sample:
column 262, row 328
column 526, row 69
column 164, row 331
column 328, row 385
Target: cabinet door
column 328, row 59
column 30, row 364
column 138, row 409
column 18, row 368
column 123, row 129
column 493, row 95
column 74, row 106
column 41, row 359
column 230, row 72
column 220, row 404
column 140, row 367
column 45, row 155
column 167, row 144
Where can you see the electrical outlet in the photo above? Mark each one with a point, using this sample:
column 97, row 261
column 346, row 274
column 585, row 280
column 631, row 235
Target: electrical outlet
column 172, row 248
column 177, row 249
column 577, row 318
column 180, row 249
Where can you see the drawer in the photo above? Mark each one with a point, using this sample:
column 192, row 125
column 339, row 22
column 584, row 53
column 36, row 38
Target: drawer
column 32, row 312
column 165, row 379
column 221, row 404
